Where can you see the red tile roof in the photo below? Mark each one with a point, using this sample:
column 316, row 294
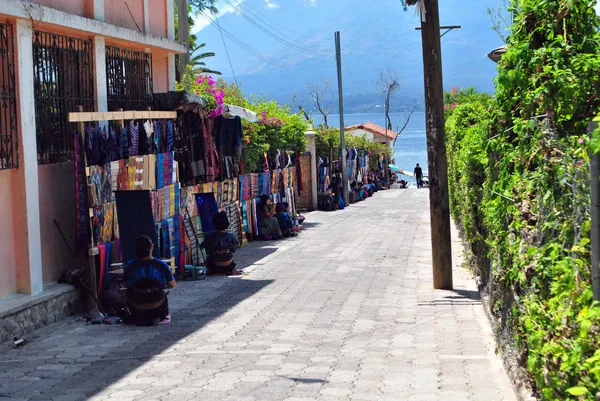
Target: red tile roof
column 373, row 129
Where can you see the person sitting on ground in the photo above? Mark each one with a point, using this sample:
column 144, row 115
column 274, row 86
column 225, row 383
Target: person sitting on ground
column 295, row 220
column 220, row 247
column 286, row 224
column 146, row 277
column 269, row 226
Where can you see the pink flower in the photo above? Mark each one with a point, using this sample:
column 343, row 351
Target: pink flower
column 581, row 141
column 453, row 105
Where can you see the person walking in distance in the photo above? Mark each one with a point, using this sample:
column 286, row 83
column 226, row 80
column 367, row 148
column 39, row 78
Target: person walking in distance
column 419, row 175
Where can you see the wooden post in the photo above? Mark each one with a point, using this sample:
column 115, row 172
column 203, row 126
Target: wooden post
column 439, row 204
column 595, row 216
column 183, row 34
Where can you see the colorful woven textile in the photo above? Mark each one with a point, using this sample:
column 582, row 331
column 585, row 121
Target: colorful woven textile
column 134, row 138
column 266, row 190
column 255, row 187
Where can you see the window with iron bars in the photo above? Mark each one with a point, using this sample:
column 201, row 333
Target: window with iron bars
column 63, row 79
column 9, row 149
column 128, row 79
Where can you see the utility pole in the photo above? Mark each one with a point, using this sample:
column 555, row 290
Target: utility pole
column 338, row 53
column 183, row 33
column 439, row 203
column 595, row 215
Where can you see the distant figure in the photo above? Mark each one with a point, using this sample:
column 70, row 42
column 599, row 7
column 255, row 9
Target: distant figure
column 419, row 175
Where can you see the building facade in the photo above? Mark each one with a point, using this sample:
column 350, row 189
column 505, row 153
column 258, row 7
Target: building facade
column 57, row 56
column 372, row 132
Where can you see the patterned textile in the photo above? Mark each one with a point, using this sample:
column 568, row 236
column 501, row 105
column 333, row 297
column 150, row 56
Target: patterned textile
column 124, row 143
column 266, row 183
column 139, row 173
column 165, row 245
column 106, row 230
column 170, row 136
column 134, row 138
column 235, row 221
column 255, row 187
column 82, row 231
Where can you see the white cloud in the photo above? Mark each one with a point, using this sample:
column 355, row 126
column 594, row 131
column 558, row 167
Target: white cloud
column 201, row 21
column 597, row 8
column 272, row 4
column 313, row 3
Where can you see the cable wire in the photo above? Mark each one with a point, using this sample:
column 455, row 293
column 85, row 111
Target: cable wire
column 248, row 48
column 294, row 42
column 269, row 33
column 227, row 52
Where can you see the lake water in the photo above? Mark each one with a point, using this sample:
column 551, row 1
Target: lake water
column 410, row 147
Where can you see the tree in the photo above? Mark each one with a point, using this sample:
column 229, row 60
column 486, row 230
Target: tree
column 388, row 85
column 199, row 6
column 194, row 7
column 196, row 60
column 501, row 19
column 318, row 93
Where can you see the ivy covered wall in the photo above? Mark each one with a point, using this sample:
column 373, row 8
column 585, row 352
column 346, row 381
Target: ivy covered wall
column 519, row 182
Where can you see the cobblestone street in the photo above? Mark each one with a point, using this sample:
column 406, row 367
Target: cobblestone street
column 345, row 311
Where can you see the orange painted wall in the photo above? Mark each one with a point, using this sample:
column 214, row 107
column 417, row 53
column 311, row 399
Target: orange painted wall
column 160, row 72
column 158, row 18
column 77, row 7
column 8, row 263
column 116, row 13
column 57, row 201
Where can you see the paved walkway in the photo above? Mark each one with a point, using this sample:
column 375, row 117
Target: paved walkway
column 343, row 312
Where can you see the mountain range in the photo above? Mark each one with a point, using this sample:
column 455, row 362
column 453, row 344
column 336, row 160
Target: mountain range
column 292, row 46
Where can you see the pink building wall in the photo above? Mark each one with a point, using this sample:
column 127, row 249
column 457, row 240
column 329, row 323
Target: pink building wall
column 57, row 202
column 8, row 262
column 160, row 72
column 116, row 13
column 158, row 19
column 83, row 8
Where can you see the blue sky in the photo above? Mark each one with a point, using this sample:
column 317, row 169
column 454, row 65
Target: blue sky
column 277, row 47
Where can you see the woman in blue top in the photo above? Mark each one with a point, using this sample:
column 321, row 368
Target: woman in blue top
column 220, row 247
column 146, row 277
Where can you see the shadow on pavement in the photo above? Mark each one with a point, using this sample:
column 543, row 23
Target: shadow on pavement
column 84, row 360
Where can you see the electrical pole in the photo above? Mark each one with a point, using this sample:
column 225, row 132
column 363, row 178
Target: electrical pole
column 338, row 53
column 595, row 216
column 183, row 33
column 439, row 203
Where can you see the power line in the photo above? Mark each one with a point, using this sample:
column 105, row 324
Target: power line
column 227, row 52
column 349, row 71
column 238, row 7
column 271, row 34
column 248, row 48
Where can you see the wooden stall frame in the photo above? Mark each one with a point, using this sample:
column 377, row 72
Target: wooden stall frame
column 82, row 117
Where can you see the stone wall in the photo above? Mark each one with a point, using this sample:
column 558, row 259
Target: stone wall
column 24, row 314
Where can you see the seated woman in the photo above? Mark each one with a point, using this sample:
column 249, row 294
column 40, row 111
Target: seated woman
column 269, row 226
column 146, row 277
column 296, row 222
column 220, row 247
column 286, row 224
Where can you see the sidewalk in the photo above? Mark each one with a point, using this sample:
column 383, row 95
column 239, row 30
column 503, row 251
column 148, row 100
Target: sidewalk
column 345, row 311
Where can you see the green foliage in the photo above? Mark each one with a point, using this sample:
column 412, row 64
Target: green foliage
column 519, row 181
column 278, row 128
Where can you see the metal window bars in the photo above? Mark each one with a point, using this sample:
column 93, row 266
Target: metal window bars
column 128, row 79
column 9, row 149
column 63, row 80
